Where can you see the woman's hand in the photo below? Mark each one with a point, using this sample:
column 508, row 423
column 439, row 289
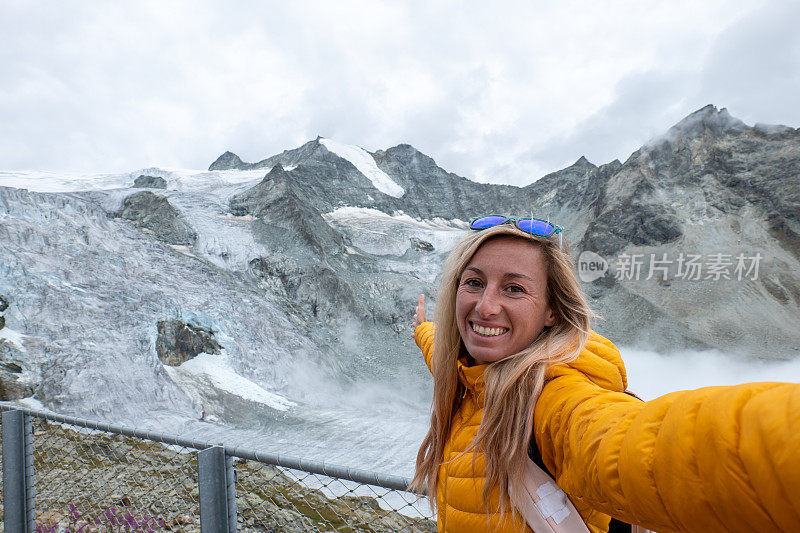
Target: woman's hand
column 419, row 314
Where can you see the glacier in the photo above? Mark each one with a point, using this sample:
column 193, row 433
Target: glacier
column 87, row 290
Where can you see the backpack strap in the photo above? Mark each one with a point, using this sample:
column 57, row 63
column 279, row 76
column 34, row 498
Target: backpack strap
column 544, row 506
column 615, row 526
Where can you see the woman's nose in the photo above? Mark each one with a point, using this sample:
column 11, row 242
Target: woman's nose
column 488, row 305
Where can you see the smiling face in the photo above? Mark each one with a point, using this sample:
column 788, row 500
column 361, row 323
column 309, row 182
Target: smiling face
column 501, row 304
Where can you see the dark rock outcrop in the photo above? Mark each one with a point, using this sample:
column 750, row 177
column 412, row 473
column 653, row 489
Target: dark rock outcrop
column 3, row 307
column 421, row 246
column 12, row 367
column 316, row 288
column 10, row 386
column 150, row 182
column 155, row 214
column 177, row 342
column 648, row 225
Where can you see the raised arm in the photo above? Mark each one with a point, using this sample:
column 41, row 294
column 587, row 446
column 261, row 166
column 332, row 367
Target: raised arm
column 423, row 331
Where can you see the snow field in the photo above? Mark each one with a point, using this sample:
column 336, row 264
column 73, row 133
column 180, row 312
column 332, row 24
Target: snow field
column 363, row 161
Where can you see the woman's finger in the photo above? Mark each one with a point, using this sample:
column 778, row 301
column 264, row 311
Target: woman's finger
column 419, row 313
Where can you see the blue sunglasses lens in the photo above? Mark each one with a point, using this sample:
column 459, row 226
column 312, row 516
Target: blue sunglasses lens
column 487, row 222
column 536, row 227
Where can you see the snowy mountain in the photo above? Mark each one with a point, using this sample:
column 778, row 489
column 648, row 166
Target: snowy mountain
column 712, row 192
column 268, row 295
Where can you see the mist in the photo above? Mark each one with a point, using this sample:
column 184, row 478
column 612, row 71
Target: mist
column 652, row 374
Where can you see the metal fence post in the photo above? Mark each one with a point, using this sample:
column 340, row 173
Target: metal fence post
column 17, row 473
column 212, row 479
column 233, row 517
column 29, row 488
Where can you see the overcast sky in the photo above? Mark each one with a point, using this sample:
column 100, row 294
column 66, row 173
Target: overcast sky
column 495, row 91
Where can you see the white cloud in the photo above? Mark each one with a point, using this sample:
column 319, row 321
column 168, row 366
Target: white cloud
column 501, row 92
column 754, row 67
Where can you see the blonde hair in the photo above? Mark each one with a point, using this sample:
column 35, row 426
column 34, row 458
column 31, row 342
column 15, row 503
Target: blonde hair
column 514, row 383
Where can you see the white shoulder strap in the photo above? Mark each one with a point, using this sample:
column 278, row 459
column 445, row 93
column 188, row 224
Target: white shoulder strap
column 545, row 507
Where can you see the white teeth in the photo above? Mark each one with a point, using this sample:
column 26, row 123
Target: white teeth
column 488, row 332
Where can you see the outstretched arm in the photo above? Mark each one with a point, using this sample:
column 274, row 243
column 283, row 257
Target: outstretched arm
column 712, row 459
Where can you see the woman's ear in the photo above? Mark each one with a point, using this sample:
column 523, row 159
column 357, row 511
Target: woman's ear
column 549, row 316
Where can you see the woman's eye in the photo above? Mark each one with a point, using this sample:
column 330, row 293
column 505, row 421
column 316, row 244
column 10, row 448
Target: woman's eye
column 472, row 282
column 515, row 288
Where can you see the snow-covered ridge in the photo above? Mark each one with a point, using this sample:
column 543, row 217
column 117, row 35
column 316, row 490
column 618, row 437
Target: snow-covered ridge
column 177, row 179
column 363, row 161
column 43, row 181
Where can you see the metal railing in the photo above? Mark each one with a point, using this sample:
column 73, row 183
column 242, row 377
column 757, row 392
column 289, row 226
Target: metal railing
column 62, row 473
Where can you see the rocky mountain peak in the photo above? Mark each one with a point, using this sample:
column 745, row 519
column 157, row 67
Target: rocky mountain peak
column 407, row 156
column 277, row 172
column 613, row 166
column 706, row 120
column 582, row 164
column 405, row 153
column 579, row 171
column 226, row 161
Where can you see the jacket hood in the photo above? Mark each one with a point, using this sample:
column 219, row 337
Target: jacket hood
column 599, row 361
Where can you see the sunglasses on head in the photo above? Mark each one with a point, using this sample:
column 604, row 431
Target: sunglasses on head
column 534, row 226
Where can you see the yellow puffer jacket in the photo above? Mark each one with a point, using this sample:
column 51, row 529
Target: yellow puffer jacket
column 712, row 459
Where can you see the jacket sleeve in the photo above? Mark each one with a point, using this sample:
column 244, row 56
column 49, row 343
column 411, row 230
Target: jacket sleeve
column 423, row 336
column 711, row 459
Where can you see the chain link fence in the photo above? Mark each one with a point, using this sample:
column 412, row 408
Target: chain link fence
column 88, row 476
column 271, row 498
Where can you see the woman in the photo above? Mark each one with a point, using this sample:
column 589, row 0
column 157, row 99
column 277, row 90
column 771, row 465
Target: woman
column 516, row 369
